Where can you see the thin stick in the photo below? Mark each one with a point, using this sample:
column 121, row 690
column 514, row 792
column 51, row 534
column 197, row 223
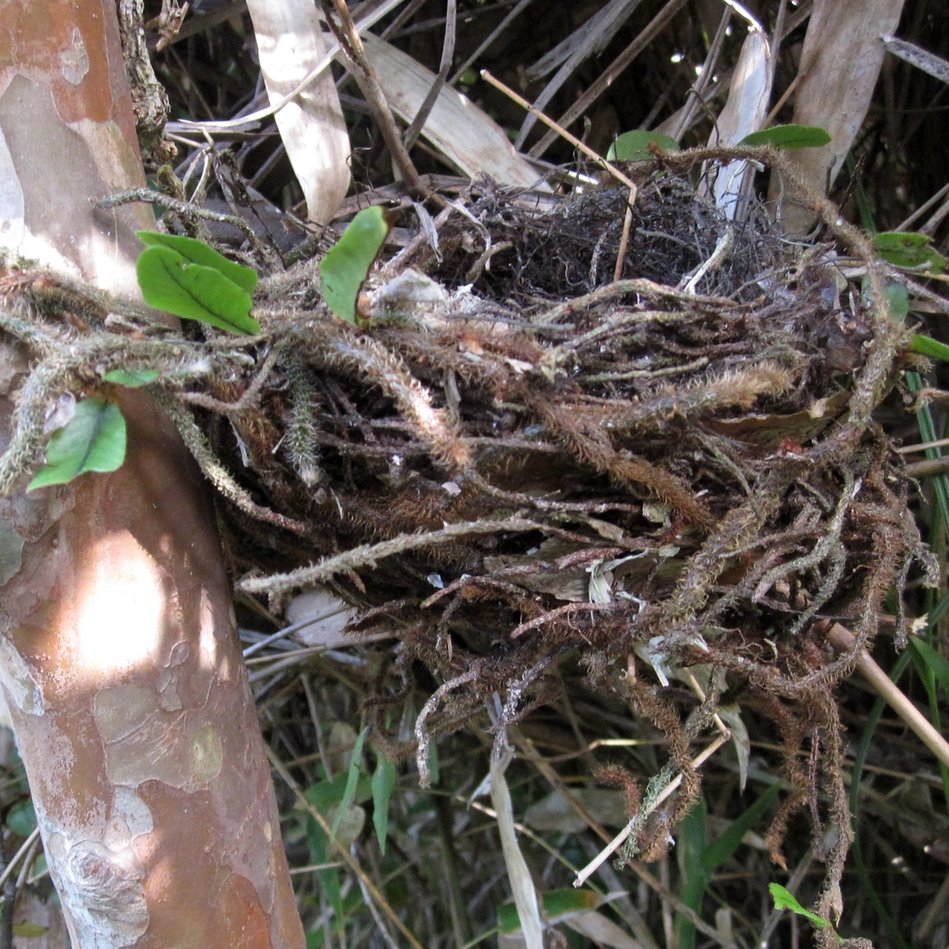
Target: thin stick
column 366, row 555
column 841, row 638
column 448, row 53
column 645, row 37
column 624, row 237
column 609, row 168
column 693, row 684
column 612, row 846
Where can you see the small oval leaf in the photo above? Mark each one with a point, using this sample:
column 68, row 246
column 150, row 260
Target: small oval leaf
column 192, row 291
column 634, row 145
column 197, row 252
column 784, row 899
column 789, row 136
column 93, row 440
column 131, row 378
column 346, row 265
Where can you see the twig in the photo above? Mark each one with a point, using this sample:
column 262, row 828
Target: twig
column 196, row 442
column 623, row 60
column 366, row 555
column 693, row 684
column 608, row 167
column 624, row 237
column 185, row 208
column 841, row 638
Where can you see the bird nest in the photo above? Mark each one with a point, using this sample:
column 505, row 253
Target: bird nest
column 524, row 456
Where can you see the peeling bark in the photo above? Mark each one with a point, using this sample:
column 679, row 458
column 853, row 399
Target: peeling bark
column 118, row 651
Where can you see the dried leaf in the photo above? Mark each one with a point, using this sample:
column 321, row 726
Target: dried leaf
column 731, row 716
column 519, row 876
column 290, row 43
column 744, row 113
column 555, row 813
column 602, row 931
column 842, row 52
column 465, row 135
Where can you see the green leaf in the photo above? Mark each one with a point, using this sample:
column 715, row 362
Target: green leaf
column 634, row 145
column 784, row 899
column 898, row 297
column 789, row 136
column 692, row 841
column 434, row 765
column 935, row 662
column 346, row 265
column 192, row 291
column 927, row 346
column 132, row 378
column 28, row 930
column 197, row 252
column 21, row 818
column 728, row 841
column 909, row 250
column 327, row 795
column 557, row 904
column 92, row 440
column 352, row 781
column 383, row 783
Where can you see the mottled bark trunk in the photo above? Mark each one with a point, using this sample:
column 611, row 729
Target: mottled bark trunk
column 118, row 652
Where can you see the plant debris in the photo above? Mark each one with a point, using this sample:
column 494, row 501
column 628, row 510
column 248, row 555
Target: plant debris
column 515, row 461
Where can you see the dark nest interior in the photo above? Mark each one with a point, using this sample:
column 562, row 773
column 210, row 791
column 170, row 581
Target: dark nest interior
column 658, row 484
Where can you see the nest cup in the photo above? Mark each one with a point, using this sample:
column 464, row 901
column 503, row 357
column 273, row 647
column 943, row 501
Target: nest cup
column 519, row 463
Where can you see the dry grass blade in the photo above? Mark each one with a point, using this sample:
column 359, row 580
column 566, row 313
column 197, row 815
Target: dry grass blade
column 615, row 68
column 468, row 139
column 588, row 39
column 844, row 640
column 312, row 76
column 448, row 52
column 916, row 56
column 522, row 886
column 289, row 43
column 744, row 112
